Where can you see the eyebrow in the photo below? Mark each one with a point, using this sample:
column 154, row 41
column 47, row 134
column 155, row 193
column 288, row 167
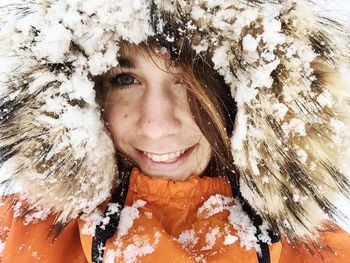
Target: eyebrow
column 125, row 62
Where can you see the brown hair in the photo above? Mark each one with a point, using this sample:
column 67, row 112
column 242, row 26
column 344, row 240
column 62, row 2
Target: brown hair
column 210, row 102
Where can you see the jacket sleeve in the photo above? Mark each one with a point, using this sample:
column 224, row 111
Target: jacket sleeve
column 335, row 249
column 6, row 216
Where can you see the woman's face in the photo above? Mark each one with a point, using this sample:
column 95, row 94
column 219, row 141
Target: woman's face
column 149, row 118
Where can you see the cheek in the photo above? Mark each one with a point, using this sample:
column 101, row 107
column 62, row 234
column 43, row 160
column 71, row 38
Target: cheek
column 116, row 115
column 118, row 123
column 182, row 104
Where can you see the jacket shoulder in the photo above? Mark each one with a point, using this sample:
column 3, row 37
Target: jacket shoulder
column 333, row 246
column 6, row 217
column 28, row 237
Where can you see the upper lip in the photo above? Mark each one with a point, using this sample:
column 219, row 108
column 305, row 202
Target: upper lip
column 164, row 157
column 164, row 153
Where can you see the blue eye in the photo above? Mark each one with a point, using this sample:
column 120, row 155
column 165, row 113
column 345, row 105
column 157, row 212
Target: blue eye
column 122, row 79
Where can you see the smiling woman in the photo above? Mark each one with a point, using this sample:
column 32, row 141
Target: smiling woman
column 150, row 120
column 173, row 131
column 156, row 110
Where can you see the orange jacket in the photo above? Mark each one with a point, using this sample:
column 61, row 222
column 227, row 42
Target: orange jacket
column 163, row 221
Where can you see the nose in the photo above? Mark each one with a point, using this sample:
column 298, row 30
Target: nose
column 159, row 112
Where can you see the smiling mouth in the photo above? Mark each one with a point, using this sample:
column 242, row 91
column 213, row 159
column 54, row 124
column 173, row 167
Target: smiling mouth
column 166, row 157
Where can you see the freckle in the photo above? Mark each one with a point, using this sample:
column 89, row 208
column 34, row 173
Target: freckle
column 125, row 116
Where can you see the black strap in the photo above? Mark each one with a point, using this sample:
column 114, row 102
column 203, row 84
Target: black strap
column 264, row 255
column 104, row 232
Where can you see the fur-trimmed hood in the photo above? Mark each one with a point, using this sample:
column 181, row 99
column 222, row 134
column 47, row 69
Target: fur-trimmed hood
column 286, row 66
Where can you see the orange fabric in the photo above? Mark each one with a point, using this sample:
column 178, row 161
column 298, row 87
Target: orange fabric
column 337, row 249
column 31, row 243
column 163, row 221
column 171, row 208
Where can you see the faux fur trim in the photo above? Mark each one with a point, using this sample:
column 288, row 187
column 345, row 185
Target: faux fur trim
column 286, row 67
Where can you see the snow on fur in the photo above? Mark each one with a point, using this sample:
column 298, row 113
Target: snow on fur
column 286, row 68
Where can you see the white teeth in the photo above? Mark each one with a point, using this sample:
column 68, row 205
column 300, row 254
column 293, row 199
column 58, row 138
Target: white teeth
column 164, row 158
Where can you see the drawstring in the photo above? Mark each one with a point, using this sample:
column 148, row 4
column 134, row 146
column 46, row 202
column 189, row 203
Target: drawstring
column 264, row 255
column 104, row 232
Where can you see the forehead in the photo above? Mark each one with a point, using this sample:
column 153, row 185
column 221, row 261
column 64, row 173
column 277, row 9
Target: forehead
column 132, row 56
